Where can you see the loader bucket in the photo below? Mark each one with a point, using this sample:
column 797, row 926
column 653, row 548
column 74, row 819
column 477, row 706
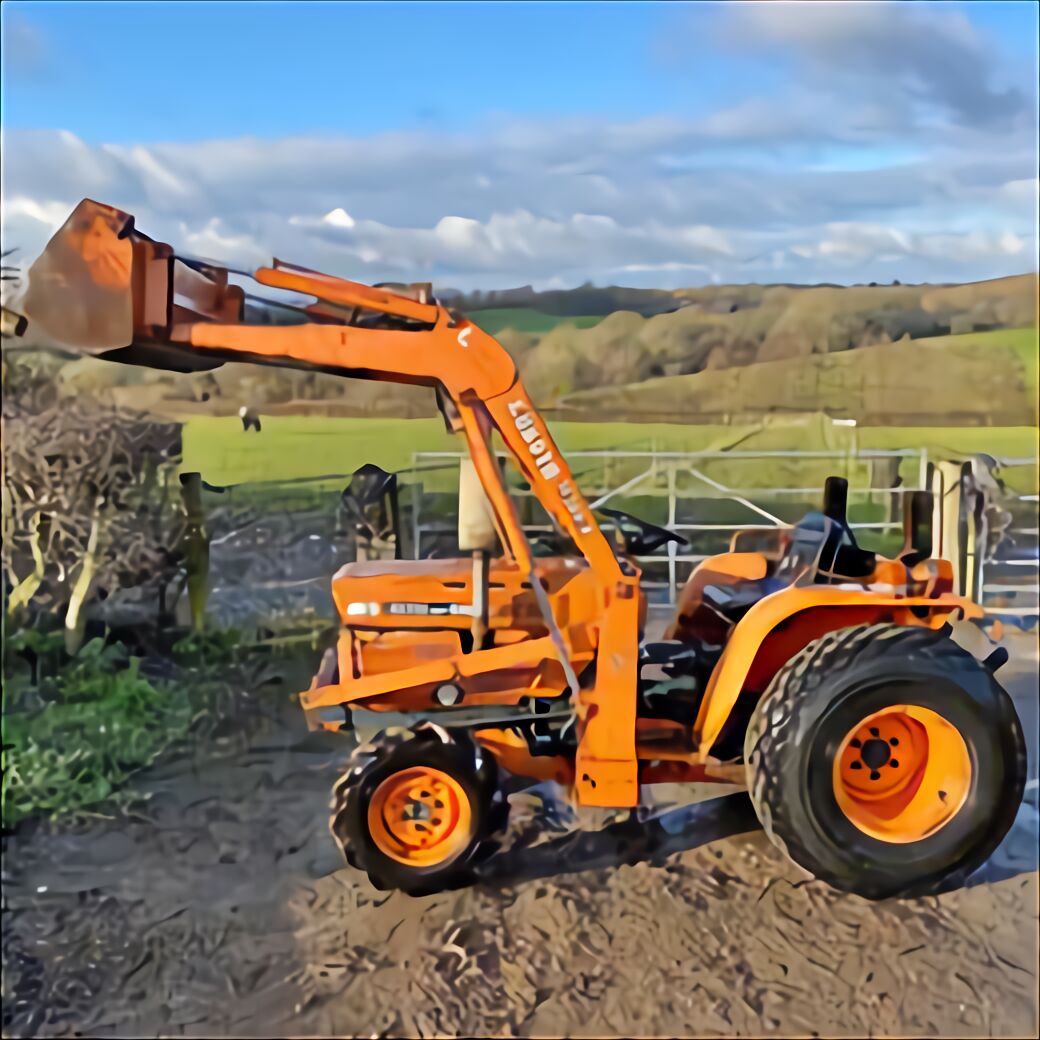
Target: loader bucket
column 102, row 288
column 80, row 291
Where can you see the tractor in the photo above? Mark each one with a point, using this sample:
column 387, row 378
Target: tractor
column 853, row 695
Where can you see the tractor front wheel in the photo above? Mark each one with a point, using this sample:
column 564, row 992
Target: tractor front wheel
column 886, row 761
column 418, row 809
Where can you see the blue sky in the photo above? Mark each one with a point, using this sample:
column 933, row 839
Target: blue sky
column 181, row 71
column 353, row 68
column 501, row 143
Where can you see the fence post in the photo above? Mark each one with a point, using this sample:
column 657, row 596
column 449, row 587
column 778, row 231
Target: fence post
column 196, row 548
column 948, row 521
column 673, row 592
column 417, row 493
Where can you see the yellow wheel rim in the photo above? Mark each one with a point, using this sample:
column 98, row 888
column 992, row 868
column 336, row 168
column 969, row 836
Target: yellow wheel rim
column 901, row 774
column 420, row 817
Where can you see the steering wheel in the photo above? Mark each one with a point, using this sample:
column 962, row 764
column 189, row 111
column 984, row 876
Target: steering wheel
column 641, row 538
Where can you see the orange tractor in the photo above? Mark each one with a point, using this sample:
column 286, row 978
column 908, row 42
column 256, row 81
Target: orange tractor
column 851, row 693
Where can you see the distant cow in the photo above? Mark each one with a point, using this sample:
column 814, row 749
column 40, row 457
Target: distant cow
column 250, row 420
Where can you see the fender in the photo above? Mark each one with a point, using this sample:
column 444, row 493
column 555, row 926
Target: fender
column 727, row 680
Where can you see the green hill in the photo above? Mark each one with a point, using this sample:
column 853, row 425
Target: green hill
column 718, row 328
column 977, row 379
column 522, row 319
column 691, row 354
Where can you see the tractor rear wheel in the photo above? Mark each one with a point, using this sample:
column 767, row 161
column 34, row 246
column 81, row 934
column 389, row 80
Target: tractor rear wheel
column 886, row 761
column 418, row 810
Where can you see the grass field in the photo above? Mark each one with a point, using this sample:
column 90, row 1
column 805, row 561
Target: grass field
column 293, row 448
column 306, row 447
column 495, row 319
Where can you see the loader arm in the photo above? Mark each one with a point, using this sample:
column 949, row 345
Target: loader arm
column 104, row 288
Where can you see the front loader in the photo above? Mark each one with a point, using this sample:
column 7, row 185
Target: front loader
column 851, row 693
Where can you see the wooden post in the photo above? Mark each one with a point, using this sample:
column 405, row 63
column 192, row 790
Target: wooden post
column 948, row 527
column 196, row 548
column 481, row 579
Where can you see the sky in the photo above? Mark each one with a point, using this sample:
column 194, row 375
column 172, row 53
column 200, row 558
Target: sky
column 495, row 145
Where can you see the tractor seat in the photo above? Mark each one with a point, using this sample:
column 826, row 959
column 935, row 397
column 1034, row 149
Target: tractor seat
column 734, row 600
column 829, row 541
column 815, row 537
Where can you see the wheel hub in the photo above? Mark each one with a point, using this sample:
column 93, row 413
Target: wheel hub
column 420, row 817
column 902, row 773
column 875, row 751
column 874, row 754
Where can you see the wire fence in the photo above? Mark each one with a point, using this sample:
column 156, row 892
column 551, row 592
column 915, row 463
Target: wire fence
column 1009, row 581
column 283, row 543
column 709, row 496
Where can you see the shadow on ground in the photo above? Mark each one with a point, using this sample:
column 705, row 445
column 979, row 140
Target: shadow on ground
column 224, row 909
column 653, row 841
column 628, row 841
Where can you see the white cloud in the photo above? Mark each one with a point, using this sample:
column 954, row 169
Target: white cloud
column 1021, row 192
column 904, row 57
column 655, row 201
column 49, row 213
column 215, row 242
column 154, row 172
column 1011, row 244
column 522, row 242
column 670, row 265
column 339, row 217
column 851, row 243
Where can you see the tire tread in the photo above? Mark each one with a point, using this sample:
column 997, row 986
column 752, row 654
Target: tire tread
column 800, row 686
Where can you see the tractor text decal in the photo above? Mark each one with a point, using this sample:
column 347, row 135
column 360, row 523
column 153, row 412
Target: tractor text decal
column 546, row 464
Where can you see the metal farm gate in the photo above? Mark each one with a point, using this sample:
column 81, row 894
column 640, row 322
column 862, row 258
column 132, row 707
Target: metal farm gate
column 273, row 548
column 708, row 496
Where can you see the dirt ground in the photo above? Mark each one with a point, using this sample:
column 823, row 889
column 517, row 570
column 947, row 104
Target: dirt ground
column 223, row 910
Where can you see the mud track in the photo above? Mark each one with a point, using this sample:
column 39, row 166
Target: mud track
column 223, row 910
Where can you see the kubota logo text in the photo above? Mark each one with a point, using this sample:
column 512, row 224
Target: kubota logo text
column 542, row 455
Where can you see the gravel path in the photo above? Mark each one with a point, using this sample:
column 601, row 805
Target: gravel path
column 223, row 910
